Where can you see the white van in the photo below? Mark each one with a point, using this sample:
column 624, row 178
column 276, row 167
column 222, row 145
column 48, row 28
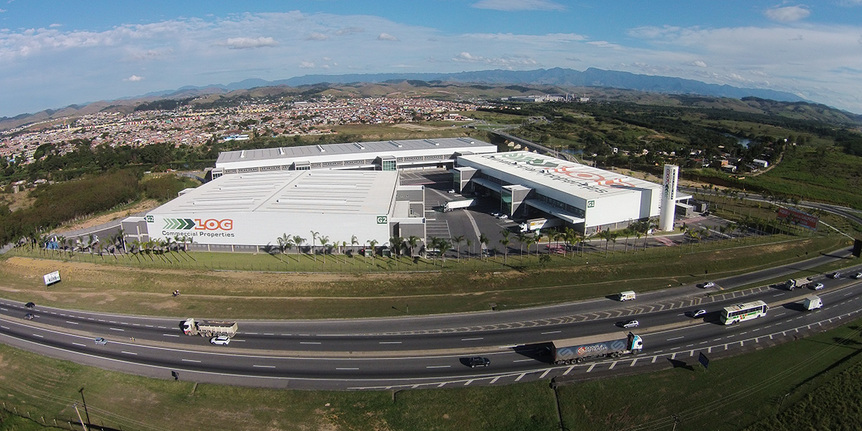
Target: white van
column 628, row 295
column 812, row 302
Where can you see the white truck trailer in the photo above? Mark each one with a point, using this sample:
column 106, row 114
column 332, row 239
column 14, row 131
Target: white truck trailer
column 812, row 302
column 540, row 223
column 209, row 328
column 573, row 350
column 459, row 204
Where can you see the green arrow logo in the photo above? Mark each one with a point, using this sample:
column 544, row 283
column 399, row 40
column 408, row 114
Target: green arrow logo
column 179, row 223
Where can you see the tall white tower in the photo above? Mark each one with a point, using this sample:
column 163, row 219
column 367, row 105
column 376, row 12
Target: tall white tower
column 668, row 197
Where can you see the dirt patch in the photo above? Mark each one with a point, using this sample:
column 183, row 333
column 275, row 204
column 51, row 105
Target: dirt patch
column 117, row 215
column 419, row 128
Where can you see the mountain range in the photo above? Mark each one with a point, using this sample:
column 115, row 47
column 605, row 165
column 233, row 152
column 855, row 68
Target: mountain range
column 566, row 80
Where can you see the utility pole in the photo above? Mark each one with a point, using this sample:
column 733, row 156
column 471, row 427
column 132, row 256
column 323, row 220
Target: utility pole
column 79, row 417
column 87, row 413
column 675, row 421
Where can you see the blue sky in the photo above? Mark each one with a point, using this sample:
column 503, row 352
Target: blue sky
column 55, row 53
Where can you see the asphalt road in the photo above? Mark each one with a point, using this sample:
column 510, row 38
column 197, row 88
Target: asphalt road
column 423, row 351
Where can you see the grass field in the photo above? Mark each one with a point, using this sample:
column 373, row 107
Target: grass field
column 263, row 286
column 733, row 394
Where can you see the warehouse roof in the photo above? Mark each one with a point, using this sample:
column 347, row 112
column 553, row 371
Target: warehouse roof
column 572, row 178
column 363, row 150
column 295, row 192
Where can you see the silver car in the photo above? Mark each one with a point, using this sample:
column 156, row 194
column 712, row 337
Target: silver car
column 221, row 340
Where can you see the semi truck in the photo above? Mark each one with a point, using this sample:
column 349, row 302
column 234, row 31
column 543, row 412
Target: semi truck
column 540, row 223
column 795, row 282
column 209, row 328
column 812, row 302
column 574, row 350
column 460, row 204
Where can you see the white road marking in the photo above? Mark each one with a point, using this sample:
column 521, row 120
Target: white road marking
column 389, row 342
column 347, row 369
column 675, row 338
column 128, row 353
column 171, row 335
column 191, row 360
column 522, row 360
column 613, row 364
column 309, row 342
column 437, row 366
column 79, row 344
column 520, row 377
column 472, row 339
column 71, row 323
column 551, row 332
column 37, row 335
column 569, row 370
column 117, row 329
column 263, row 366
column 545, row 373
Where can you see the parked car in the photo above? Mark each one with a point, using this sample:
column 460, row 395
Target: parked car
column 478, row 361
column 101, row 341
column 221, row 340
column 30, row 305
column 29, row 316
column 707, row 285
column 630, row 324
column 697, row 313
column 817, row 286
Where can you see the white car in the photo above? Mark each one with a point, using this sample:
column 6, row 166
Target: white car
column 835, row 274
column 221, row 340
column 858, row 275
column 708, row 284
column 631, row 324
column 101, row 341
column 817, row 286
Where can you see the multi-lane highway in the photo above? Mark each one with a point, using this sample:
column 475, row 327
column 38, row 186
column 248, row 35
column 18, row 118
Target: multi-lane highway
column 430, row 351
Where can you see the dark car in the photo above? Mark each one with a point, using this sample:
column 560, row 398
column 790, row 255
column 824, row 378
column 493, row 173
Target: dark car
column 697, row 313
column 30, row 305
column 478, row 361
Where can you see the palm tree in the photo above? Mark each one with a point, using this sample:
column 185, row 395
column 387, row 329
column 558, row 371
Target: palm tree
column 483, row 242
column 444, row 246
column 313, row 239
column 413, row 241
column 354, row 241
column 372, row 245
column 458, row 240
column 522, row 238
column 505, row 243
column 298, row 240
column 537, row 238
column 324, row 242
column 282, row 242
column 395, row 243
column 529, row 240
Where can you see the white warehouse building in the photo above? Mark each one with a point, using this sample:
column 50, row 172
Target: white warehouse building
column 534, row 185
column 378, row 155
column 250, row 211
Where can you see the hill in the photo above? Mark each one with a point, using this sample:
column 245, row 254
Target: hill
column 488, row 84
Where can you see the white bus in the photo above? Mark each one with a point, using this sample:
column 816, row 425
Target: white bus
column 742, row 312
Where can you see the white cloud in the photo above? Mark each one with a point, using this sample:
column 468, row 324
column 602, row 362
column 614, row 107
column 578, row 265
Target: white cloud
column 386, row 36
column 349, row 30
column 519, row 5
column 698, row 63
column 787, row 14
column 134, row 78
column 316, row 36
column 306, row 65
column 250, row 42
column 506, row 62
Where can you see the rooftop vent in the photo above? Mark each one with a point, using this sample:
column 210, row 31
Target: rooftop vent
column 397, row 144
column 358, row 145
column 321, row 149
